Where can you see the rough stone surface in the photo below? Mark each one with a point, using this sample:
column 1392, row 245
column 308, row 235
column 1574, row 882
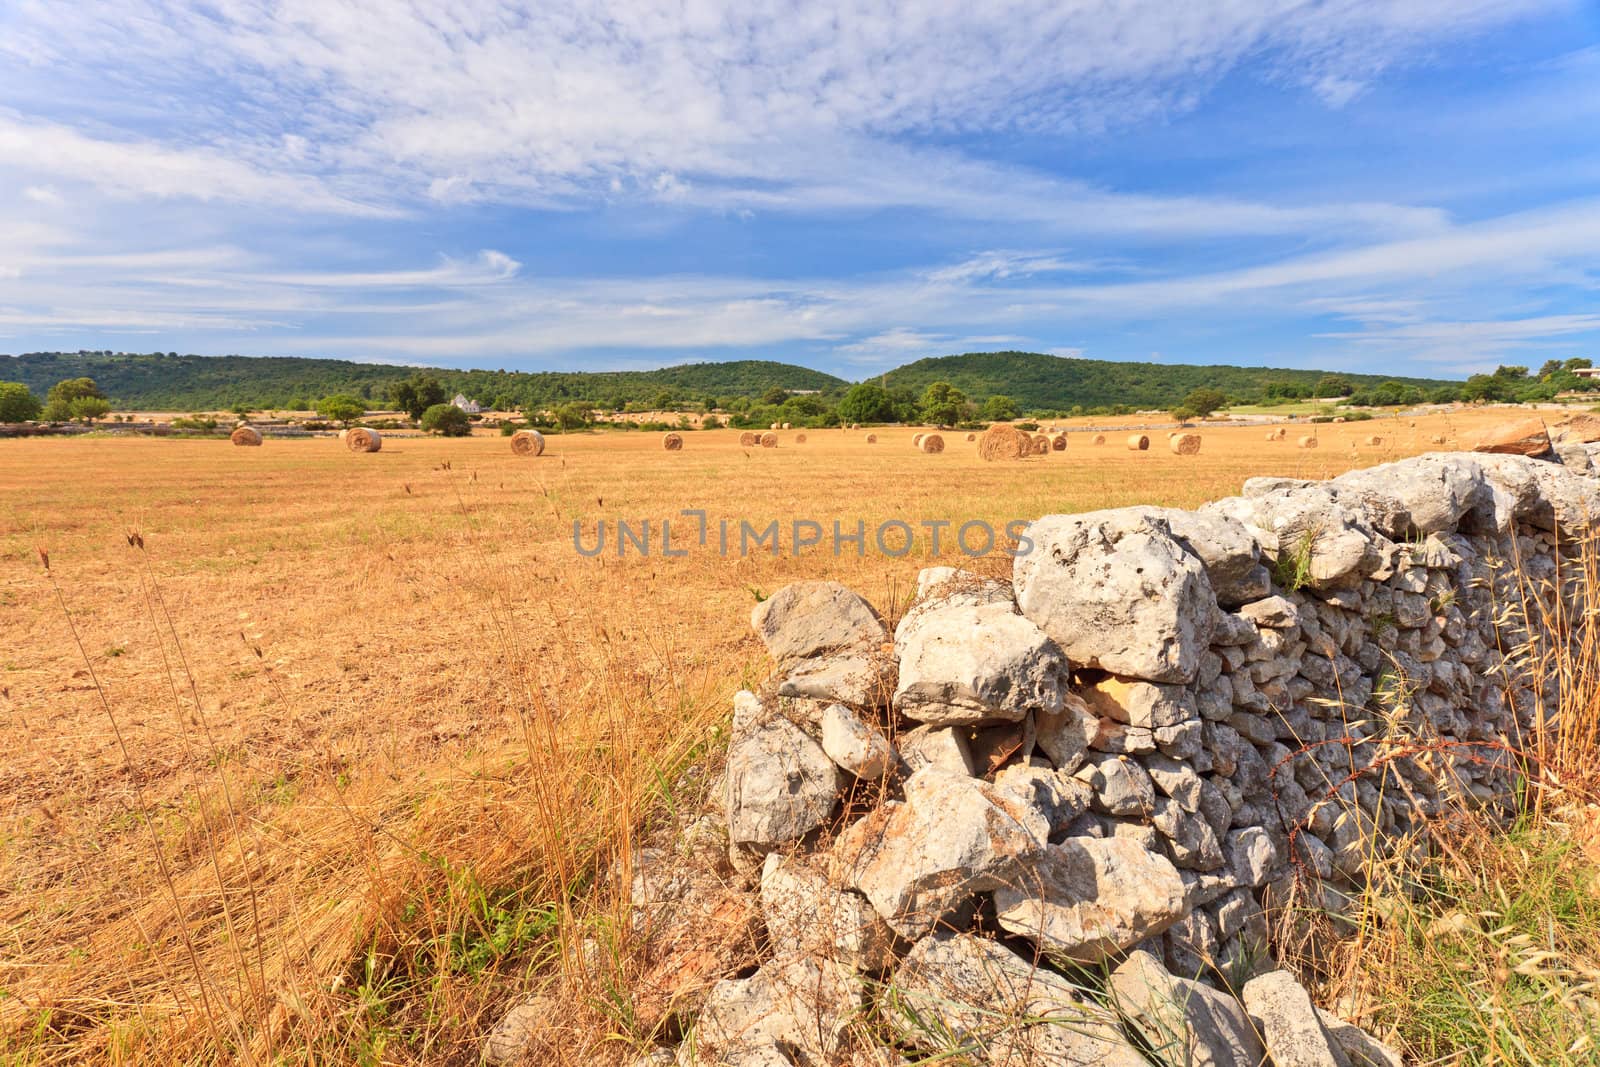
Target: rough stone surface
column 1115, row 590
column 1288, row 1023
column 854, row 744
column 517, row 1036
column 807, row 619
column 992, row 1001
column 1086, row 898
column 952, row 838
column 967, row 663
column 1231, row 556
column 1193, row 1023
column 801, row 1004
column 803, row 910
column 938, row 746
column 780, row 784
column 1526, row 438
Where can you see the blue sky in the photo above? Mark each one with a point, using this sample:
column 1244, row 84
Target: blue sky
column 1407, row 186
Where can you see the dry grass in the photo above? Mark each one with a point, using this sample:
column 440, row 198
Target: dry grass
column 315, row 760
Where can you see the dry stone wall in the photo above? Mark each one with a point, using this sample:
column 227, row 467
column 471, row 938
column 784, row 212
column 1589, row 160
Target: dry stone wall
column 1121, row 759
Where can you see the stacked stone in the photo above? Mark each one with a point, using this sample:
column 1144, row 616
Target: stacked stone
column 1122, row 758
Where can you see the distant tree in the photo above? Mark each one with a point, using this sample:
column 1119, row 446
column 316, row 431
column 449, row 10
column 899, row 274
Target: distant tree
column 241, row 410
column 1331, row 385
column 1551, row 366
column 17, row 403
column 1578, row 363
column 1511, row 373
column 1183, row 414
column 447, row 420
column 710, row 422
column 1486, row 387
column 58, row 402
column 341, row 408
column 867, row 402
column 88, row 408
column 943, row 404
column 1204, row 401
column 571, row 416
column 775, row 396
column 999, row 409
column 417, row 394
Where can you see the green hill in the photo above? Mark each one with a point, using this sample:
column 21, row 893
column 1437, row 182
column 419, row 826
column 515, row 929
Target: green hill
column 156, row 381
column 1036, row 382
column 1039, row 382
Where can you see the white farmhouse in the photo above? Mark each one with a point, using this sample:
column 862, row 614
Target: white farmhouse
column 469, row 406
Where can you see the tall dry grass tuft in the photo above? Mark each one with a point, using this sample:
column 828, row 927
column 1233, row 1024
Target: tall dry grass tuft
column 1475, row 939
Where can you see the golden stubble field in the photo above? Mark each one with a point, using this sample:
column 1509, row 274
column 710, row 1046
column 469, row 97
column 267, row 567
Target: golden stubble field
column 311, row 756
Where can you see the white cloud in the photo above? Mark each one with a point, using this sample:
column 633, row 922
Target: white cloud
column 341, row 105
column 145, row 169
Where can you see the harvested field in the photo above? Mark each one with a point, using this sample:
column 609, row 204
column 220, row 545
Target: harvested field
column 379, row 719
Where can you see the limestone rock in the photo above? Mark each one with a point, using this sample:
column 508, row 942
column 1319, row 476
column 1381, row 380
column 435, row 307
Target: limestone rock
column 1231, row 556
column 804, row 913
column 966, row 663
column 863, row 679
column 1192, row 1023
column 952, row 838
column 780, row 784
column 938, row 746
column 854, row 744
column 520, row 1033
column 807, row 619
column 1526, row 438
column 1086, row 898
column 998, row 1007
column 1359, row 1047
column 796, row 1002
column 1288, row 1023
column 1115, row 590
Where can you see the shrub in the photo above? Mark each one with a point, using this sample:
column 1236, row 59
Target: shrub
column 447, row 420
column 58, row 404
column 341, row 408
column 17, row 403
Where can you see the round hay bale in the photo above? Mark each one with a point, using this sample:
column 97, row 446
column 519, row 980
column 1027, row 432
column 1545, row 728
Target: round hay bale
column 672, row 442
column 931, row 443
column 246, row 437
column 1058, row 442
column 799, row 438
column 1003, row 442
column 748, row 440
column 872, row 438
column 769, row 440
column 361, row 439
column 1098, row 439
column 775, row 426
column 1184, row 444
column 855, row 426
column 1138, row 443
column 1041, row 444
column 527, row 443
column 786, row 426
column 971, row 437
column 1308, row 441
column 1374, row 440
column 916, row 442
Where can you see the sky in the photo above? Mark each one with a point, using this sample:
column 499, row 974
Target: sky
column 1385, row 186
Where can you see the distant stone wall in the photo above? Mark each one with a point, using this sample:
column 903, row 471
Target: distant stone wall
column 1165, row 722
